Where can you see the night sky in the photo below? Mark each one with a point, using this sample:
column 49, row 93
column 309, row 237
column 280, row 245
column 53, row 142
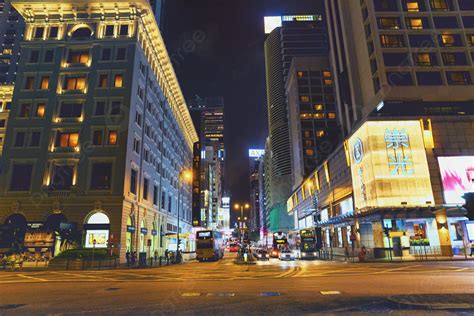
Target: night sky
column 217, row 50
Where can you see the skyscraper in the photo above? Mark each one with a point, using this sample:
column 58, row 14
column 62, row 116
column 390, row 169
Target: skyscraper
column 400, row 57
column 287, row 37
column 208, row 115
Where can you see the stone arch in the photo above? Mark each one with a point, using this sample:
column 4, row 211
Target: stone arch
column 81, row 31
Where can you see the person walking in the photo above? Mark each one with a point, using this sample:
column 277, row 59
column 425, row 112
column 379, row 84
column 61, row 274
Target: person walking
column 167, row 256
column 133, row 258
column 362, row 254
column 127, row 257
column 346, row 253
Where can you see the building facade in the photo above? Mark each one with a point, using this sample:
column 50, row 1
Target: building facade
column 99, row 130
column 404, row 51
column 396, row 185
column 12, row 27
column 314, row 131
column 287, row 37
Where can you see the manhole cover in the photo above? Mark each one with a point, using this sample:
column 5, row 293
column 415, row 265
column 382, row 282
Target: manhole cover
column 11, row 306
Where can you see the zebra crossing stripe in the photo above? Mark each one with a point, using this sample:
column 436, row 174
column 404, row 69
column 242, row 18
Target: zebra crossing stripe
column 191, row 294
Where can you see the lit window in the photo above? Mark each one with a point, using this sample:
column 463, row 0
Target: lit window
column 423, row 59
column 391, row 41
column 328, row 82
column 319, row 133
column 308, row 143
column 103, row 81
column 309, row 152
column 40, row 109
column 318, row 116
column 44, row 83
column 78, row 57
column 413, row 6
column 305, row 116
column 331, row 115
column 439, row 5
column 318, row 107
column 300, row 74
column 447, row 39
column 416, row 24
column 75, row 83
column 67, row 140
column 307, row 134
column 7, row 51
column 470, row 39
column 118, row 81
column 304, row 98
column 113, row 136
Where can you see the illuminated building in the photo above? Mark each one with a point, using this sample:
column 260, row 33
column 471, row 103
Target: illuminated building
column 12, row 27
column 405, row 175
column 6, row 94
column 208, row 117
column 287, row 37
column 314, row 131
column 255, row 160
column 99, row 132
column 400, row 52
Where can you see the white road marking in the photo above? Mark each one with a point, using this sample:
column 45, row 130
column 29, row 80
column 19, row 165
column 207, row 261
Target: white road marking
column 397, row 269
column 83, row 275
column 191, row 294
column 330, row 292
column 31, row 278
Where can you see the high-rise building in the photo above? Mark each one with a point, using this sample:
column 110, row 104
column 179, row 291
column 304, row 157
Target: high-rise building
column 12, row 27
column 391, row 57
column 255, row 159
column 99, row 130
column 208, row 116
column 314, row 131
column 287, row 37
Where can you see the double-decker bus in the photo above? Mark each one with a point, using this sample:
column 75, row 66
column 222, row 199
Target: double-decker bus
column 280, row 242
column 306, row 243
column 209, row 245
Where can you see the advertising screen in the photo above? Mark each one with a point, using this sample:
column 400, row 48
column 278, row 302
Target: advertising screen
column 100, row 237
column 457, row 175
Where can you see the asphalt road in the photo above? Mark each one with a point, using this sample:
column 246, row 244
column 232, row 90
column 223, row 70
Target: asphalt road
column 218, row 288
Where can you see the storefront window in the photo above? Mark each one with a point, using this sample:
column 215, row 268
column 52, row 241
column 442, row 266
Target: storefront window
column 97, row 230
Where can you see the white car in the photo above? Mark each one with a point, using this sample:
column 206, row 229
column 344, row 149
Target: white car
column 286, row 255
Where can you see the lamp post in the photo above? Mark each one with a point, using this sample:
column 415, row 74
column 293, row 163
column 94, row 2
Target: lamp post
column 186, row 175
column 241, row 206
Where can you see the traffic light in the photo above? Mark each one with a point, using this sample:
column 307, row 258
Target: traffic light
column 469, row 206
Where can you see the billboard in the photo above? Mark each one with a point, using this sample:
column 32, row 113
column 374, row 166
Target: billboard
column 389, row 166
column 256, row 153
column 457, row 176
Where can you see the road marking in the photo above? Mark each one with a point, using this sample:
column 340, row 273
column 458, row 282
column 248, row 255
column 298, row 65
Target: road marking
column 191, row 294
column 31, row 278
column 330, row 292
column 270, row 294
column 83, row 275
column 397, row 269
column 221, row 294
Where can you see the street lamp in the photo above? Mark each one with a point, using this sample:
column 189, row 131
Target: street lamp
column 187, row 176
column 241, row 206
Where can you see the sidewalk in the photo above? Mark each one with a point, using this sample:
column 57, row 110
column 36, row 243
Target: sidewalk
column 410, row 258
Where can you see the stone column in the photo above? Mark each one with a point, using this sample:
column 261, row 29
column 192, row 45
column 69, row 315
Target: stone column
column 443, row 232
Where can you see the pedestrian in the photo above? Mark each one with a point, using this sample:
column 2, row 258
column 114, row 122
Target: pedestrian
column 167, row 256
column 127, row 256
column 133, row 258
column 362, row 254
column 346, row 253
column 156, row 255
column 472, row 248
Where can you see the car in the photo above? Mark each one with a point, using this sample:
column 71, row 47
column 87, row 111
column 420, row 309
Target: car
column 261, row 254
column 234, row 247
column 286, row 255
column 275, row 253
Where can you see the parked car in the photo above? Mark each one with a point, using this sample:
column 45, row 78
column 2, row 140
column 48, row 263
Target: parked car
column 233, row 247
column 286, row 255
column 261, row 254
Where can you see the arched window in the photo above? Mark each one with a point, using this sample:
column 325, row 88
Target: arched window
column 97, row 230
column 81, row 32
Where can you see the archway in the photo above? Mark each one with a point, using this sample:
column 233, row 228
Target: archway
column 13, row 235
column 81, row 32
column 97, row 228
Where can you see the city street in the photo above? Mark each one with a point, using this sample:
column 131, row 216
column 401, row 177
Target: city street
column 226, row 288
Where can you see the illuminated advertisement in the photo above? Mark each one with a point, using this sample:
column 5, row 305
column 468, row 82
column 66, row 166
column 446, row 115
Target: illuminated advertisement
column 389, row 166
column 256, row 153
column 100, row 237
column 457, row 175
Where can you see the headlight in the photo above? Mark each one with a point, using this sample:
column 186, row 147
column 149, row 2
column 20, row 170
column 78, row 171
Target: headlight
column 259, row 255
column 314, row 253
column 267, row 255
column 303, row 254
